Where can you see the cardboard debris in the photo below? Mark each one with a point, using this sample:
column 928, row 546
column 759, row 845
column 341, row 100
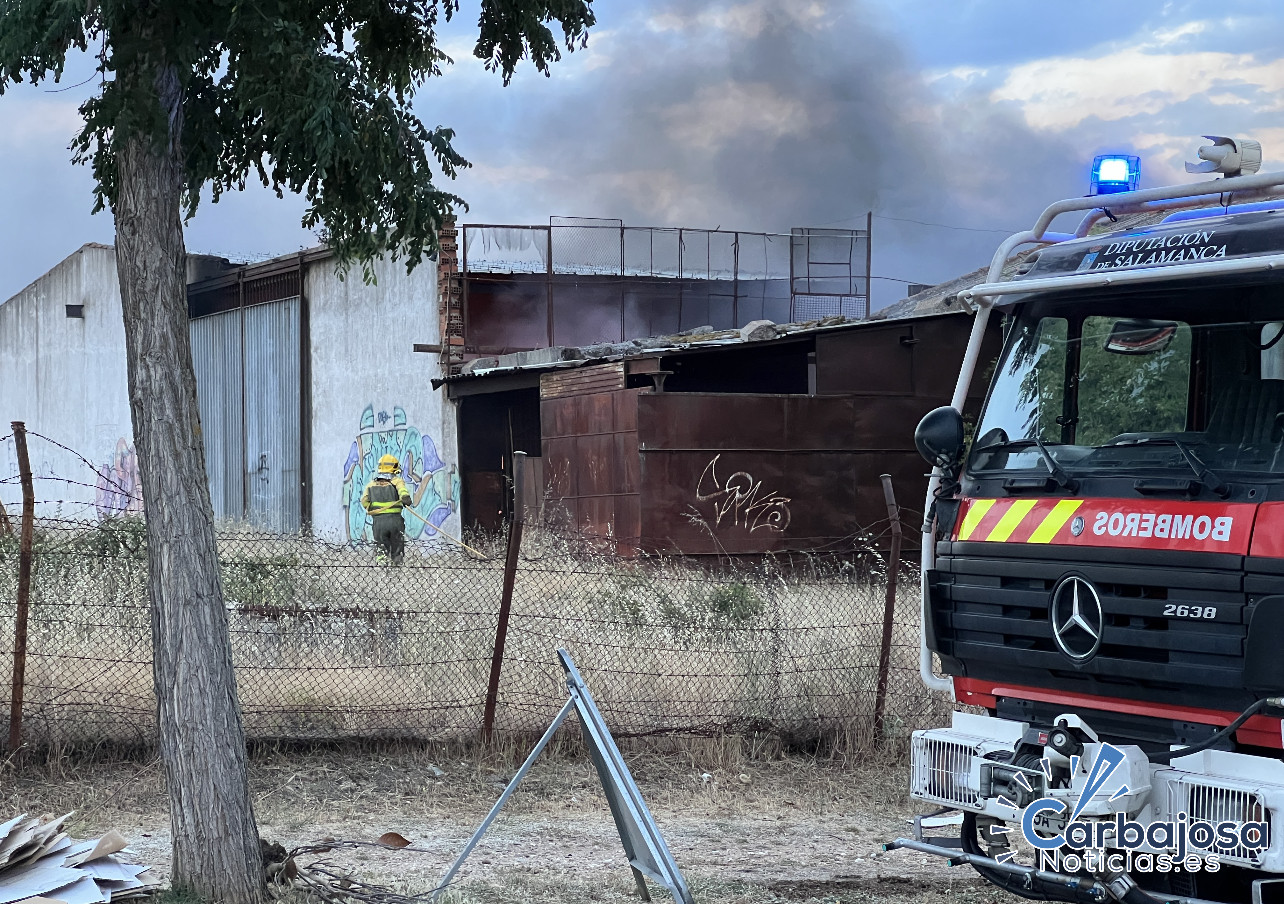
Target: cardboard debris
column 41, row 864
column 83, row 852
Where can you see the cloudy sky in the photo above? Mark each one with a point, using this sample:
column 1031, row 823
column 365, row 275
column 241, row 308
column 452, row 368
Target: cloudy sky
column 954, row 121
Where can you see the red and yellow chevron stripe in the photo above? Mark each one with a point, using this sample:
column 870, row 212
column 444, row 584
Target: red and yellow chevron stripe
column 1126, row 523
column 1016, row 520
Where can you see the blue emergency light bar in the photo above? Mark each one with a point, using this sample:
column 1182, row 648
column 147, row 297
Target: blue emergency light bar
column 1112, row 173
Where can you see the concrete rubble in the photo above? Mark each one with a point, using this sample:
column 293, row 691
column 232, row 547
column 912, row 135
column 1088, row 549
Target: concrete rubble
column 757, row 331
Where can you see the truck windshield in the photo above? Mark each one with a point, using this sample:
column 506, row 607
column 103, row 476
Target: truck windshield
column 1186, row 381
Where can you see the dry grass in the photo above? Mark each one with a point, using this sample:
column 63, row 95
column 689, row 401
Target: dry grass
column 749, row 828
column 330, row 645
column 764, row 772
column 320, row 783
column 518, row 889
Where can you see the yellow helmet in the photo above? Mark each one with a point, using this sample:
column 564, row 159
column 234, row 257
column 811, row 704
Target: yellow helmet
column 389, row 465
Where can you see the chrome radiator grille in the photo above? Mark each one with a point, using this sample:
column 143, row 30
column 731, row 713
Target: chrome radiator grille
column 942, row 772
column 1209, row 803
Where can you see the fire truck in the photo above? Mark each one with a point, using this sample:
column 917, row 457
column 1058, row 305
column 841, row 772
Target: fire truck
column 1103, row 557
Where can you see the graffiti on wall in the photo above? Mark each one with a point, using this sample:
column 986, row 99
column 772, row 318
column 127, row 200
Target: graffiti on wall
column 434, row 486
column 740, row 501
column 118, row 491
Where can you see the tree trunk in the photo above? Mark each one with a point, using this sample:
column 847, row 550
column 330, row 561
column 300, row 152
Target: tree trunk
column 216, row 848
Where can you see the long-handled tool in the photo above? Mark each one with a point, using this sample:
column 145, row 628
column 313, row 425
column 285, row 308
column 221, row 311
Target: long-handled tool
column 443, row 533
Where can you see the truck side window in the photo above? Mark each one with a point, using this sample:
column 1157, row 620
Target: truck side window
column 1130, row 391
column 1029, row 393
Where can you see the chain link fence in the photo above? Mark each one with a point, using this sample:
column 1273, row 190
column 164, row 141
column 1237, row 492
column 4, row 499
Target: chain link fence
column 329, row 644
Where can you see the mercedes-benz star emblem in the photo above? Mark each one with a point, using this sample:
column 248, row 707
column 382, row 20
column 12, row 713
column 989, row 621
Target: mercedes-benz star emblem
column 1077, row 618
column 1076, row 526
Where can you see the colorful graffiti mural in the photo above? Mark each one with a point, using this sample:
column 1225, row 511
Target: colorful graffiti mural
column 434, row 486
column 118, row 490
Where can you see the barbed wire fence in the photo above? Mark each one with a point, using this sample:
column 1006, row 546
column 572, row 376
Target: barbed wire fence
column 330, row 644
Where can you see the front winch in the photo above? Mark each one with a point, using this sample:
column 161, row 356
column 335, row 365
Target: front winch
column 1093, row 821
column 1002, row 769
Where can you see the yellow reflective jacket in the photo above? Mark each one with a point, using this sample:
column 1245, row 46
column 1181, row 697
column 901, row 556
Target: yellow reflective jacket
column 385, row 502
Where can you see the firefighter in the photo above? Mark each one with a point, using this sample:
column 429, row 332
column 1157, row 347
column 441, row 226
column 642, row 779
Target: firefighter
column 383, row 499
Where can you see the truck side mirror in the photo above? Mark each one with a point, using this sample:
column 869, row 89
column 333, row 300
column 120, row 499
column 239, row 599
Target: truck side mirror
column 939, row 437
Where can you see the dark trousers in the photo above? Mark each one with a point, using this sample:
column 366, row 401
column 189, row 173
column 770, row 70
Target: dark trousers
column 390, row 534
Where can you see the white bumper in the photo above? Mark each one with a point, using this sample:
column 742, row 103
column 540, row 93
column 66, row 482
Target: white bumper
column 968, row 767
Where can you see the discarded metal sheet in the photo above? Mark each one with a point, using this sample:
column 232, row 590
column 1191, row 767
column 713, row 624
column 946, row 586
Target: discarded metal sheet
column 648, row 855
column 643, row 844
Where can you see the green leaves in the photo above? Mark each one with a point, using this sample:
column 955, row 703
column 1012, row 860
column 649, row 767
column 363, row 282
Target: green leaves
column 308, row 96
column 513, row 29
column 35, row 36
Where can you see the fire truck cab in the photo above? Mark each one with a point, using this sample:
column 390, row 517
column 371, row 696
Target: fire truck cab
column 1103, row 559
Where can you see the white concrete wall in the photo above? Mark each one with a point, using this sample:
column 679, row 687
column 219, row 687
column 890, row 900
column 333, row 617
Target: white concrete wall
column 371, row 395
column 65, row 377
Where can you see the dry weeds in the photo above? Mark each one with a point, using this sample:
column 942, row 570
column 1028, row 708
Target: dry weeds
column 330, row 645
column 761, row 829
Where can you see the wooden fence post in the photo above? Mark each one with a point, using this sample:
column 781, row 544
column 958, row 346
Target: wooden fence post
column 889, row 604
column 24, row 585
column 506, row 597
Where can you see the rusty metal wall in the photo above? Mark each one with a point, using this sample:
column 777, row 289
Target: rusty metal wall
column 918, row 357
column 587, row 281
column 532, row 485
column 749, row 474
column 485, row 493
column 746, row 474
column 588, row 425
column 707, row 473
column 511, row 312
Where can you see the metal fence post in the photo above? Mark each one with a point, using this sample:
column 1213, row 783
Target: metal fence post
column 889, row 604
column 506, row 598
column 24, row 585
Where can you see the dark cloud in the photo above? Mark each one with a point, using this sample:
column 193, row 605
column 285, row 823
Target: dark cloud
column 763, row 116
column 751, row 115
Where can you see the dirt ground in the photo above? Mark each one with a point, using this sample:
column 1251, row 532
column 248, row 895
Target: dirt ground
column 742, row 830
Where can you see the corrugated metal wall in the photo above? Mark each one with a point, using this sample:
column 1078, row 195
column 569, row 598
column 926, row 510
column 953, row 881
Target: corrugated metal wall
column 272, row 421
column 216, row 357
column 589, row 432
column 248, row 381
